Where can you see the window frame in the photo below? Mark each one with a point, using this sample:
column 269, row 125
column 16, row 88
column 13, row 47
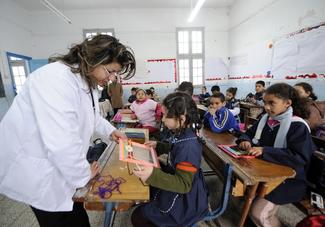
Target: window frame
column 26, row 60
column 191, row 56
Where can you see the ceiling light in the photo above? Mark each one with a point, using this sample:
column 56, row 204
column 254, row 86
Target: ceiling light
column 56, row 11
column 195, row 10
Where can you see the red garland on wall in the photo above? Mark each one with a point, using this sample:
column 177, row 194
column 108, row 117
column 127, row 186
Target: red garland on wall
column 213, row 78
column 250, row 77
column 305, row 76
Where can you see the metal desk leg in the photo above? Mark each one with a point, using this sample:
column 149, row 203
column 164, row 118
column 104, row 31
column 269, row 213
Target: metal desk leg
column 109, row 214
column 247, row 204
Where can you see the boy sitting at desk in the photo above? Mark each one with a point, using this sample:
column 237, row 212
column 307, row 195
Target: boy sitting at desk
column 218, row 118
column 258, row 97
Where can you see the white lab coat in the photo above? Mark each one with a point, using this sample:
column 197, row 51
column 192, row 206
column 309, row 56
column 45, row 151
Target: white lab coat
column 44, row 138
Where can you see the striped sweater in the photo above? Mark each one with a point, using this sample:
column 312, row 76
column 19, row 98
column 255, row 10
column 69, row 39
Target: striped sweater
column 223, row 120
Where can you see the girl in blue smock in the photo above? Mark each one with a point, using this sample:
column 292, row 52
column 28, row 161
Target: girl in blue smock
column 281, row 136
column 178, row 190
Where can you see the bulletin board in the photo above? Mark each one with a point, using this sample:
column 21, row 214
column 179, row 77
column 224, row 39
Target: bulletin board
column 253, row 62
column 300, row 54
column 157, row 71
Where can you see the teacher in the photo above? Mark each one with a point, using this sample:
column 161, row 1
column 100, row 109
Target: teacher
column 45, row 135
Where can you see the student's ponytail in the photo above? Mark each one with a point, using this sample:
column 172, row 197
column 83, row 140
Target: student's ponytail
column 285, row 91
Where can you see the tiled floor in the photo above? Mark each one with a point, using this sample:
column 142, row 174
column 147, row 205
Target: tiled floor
column 15, row 214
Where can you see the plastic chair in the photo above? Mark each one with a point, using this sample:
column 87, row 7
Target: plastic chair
column 225, row 196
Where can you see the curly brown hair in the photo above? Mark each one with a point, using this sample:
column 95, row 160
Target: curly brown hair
column 99, row 50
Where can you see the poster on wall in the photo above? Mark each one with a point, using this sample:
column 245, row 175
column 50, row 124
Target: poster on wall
column 284, row 62
column 311, row 52
column 300, row 55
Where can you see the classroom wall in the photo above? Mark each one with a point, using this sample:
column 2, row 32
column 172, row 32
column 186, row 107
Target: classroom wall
column 252, row 22
column 16, row 37
column 151, row 33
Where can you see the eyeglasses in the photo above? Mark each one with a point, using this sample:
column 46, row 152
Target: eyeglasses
column 111, row 72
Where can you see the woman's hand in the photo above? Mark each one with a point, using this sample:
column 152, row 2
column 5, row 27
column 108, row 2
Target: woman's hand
column 245, row 145
column 256, row 151
column 151, row 143
column 94, row 169
column 117, row 134
column 143, row 172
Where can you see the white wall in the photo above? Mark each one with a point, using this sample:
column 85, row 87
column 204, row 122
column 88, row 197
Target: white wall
column 253, row 22
column 151, row 33
column 16, row 37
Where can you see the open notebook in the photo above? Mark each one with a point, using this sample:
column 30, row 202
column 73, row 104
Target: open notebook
column 235, row 151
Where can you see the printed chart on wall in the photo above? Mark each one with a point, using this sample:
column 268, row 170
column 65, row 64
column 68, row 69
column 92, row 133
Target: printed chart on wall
column 300, row 55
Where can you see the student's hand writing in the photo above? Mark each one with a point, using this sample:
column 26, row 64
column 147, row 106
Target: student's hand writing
column 143, row 173
column 256, row 151
column 151, row 143
column 94, row 169
column 116, row 135
column 245, row 145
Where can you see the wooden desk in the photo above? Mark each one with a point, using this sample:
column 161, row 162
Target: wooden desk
column 249, row 112
column 131, row 190
column 202, row 110
column 319, row 142
column 126, row 121
column 257, row 176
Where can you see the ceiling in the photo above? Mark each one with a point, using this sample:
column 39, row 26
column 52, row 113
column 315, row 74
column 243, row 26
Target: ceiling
column 129, row 4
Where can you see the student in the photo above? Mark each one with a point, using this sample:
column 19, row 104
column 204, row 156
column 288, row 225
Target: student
column 45, row 135
column 186, row 87
column 258, row 97
column 218, row 118
column 179, row 193
column 133, row 97
column 146, row 110
column 104, row 94
column 204, row 94
column 154, row 94
column 232, row 103
column 317, row 109
column 215, row 89
column 115, row 90
column 149, row 94
column 283, row 138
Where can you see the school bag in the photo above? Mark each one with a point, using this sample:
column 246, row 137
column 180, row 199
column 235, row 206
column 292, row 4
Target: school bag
column 94, row 152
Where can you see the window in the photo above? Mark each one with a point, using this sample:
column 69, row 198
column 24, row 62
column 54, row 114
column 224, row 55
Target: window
column 19, row 70
column 190, row 55
column 88, row 33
